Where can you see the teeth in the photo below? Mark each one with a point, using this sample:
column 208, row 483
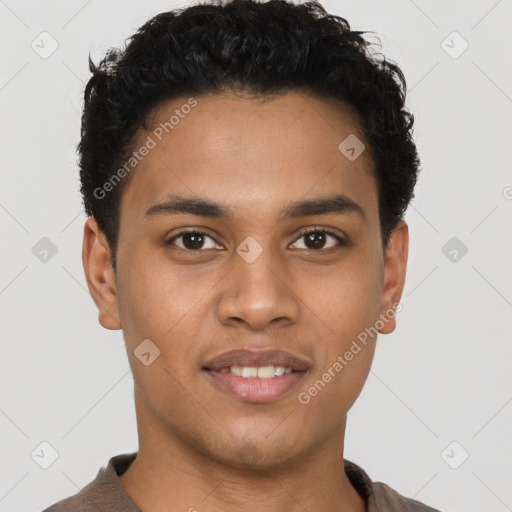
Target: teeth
column 267, row 372
column 262, row 372
column 279, row 370
column 236, row 370
column 249, row 371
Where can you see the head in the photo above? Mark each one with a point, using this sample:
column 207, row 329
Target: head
column 253, row 124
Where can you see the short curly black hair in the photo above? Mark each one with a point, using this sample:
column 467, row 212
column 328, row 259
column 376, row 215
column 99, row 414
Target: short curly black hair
column 266, row 49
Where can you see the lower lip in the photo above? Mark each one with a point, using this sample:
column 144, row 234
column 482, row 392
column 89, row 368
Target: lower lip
column 254, row 389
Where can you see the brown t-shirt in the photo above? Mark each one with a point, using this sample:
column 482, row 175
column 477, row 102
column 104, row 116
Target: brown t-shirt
column 105, row 494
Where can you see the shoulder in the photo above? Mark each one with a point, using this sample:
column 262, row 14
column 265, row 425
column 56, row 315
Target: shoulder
column 82, row 501
column 102, row 493
column 387, row 498
column 381, row 497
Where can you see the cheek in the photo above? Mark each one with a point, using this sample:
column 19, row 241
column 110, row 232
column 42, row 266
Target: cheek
column 168, row 308
column 345, row 349
column 332, row 391
column 153, row 299
column 347, row 297
column 348, row 305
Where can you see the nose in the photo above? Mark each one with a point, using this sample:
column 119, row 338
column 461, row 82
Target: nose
column 258, row 294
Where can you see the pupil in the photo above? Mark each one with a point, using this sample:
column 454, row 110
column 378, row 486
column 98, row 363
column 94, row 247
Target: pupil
column 193, row 236
column 317, row 240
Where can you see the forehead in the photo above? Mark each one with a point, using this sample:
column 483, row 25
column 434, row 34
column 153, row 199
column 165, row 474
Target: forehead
column 240, row 151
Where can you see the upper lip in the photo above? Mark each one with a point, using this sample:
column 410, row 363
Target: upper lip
column 247, row 357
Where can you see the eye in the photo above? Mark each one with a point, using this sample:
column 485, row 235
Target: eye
column 193, row 240
column 315, row 240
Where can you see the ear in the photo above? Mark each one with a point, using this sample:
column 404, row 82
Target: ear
column 100, row 275
column 395, row 264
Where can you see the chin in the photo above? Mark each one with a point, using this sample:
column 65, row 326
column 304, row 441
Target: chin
column 257, row 454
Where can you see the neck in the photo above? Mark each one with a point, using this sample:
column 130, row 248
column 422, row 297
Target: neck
column 169, row 473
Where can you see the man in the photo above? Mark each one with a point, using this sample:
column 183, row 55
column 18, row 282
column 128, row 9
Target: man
column 245, row 167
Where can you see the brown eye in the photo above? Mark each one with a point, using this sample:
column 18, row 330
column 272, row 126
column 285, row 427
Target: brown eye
column 193, row 241
column 315, row 240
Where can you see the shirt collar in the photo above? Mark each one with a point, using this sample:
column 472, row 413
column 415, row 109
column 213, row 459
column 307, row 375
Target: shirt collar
column 374, row 496
column 118, row 464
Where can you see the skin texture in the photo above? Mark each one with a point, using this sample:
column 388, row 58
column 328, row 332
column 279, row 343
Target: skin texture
column 255, row 158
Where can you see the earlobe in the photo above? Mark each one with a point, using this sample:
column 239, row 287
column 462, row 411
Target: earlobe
column 395, row 265
column 100, row 275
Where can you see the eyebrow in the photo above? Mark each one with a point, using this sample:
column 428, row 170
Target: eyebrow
column 336, row 204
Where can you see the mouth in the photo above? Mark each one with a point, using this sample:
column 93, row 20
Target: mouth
column 256, row 376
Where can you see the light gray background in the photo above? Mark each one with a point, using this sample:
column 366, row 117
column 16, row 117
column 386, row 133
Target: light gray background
column 443, row 376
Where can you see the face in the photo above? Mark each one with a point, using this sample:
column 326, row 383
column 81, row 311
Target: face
column 288, row 257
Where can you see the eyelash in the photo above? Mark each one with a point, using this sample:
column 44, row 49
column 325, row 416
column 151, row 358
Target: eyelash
column 306, row 232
